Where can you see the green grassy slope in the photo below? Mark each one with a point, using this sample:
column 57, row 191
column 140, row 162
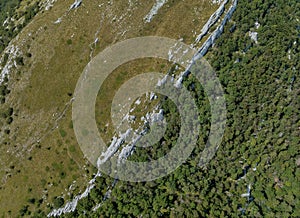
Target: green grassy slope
column 40, row 157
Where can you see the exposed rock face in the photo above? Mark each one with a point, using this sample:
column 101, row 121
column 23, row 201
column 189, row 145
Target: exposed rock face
column 76, row 4
column 253, row 36
column 47, row 5
column 298, row 162
column 154, row 10
column 257, row 25
column 13, row 52
column 211, row 21
column 216, row 1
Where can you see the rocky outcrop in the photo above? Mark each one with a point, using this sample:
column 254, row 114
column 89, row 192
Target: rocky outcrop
column 211, row 21
column 10, row 54
column 216, row 34
column 76, row 4
column 209, row 42
column 154, row 10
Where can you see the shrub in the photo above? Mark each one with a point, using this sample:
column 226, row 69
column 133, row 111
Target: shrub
column 58, row 202
column 69, row 41
column 62, row 133
column 20, row 60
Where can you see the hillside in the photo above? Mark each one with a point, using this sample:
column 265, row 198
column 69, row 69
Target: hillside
column 47, row 45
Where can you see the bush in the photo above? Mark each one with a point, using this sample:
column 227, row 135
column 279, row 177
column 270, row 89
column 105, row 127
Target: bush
column 9, row 120
column 31, row 200
column 58, row 202
column 69, row 41
column 62, row 133
column 24, row 210
column 20, row 60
